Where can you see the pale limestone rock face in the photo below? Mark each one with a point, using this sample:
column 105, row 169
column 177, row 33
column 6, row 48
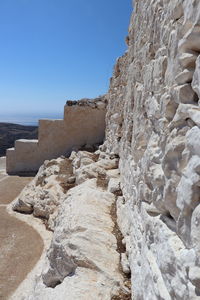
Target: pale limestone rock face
column 84, row 234
column 153, row 121
column 44, row 194
column 86, row 258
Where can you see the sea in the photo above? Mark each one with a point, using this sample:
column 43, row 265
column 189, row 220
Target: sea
column 28, row 119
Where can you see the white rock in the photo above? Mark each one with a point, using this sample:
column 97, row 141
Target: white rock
column 125, row 263
column 153, row 120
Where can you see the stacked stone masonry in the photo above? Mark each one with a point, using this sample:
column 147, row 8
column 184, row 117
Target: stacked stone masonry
column 153, row 124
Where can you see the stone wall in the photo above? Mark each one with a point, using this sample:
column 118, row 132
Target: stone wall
column 153, row 122
column 83, row 125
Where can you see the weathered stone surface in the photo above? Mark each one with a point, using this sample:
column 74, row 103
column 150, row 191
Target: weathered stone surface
column 44, row 194
column 84, row 258
column 153, row 124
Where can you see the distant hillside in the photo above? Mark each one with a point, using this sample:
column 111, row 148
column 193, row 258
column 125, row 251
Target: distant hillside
column 10, row 132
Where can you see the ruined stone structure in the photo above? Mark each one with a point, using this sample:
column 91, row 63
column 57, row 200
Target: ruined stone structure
column 153, row 131
column 83, row 124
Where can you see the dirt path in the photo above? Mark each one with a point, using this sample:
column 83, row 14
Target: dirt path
column 11, row 186
column 20, row 245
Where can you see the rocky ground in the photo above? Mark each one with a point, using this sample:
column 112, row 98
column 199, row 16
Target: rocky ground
column 76, row 198
column 11, row 132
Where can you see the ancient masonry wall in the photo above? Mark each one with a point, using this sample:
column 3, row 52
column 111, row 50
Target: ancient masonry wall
column 153, row 122
column 83, row 124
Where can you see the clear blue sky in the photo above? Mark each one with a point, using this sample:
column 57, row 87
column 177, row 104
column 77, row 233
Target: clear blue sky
column 54, row 50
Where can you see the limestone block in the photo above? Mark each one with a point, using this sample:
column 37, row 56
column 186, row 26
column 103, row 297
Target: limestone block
column 114, row 185
column 43, row 195
column 184, row 94
column 193, row 140
column 82, row 243
column 188, row 59
column 194, row 275
column 196, row 78
column 125, row 263
column 24, row 158
column 60, row 266
column 184, row 77
column 23, row 207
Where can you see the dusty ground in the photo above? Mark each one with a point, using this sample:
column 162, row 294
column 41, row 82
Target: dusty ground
column 11, row 186
column 20, row 249
column 20, row 245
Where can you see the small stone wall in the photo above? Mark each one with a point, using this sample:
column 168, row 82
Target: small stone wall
column 83, row 124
